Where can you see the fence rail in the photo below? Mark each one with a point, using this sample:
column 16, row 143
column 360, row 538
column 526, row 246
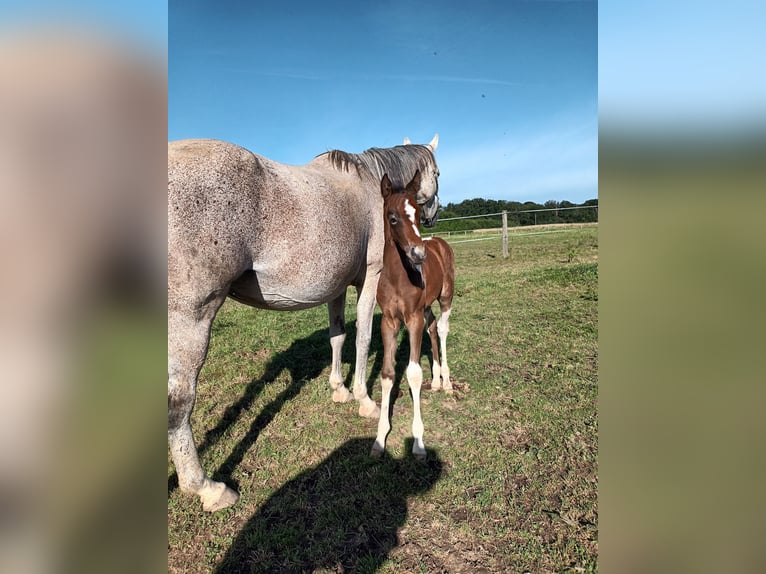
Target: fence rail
column 520, row 211
column 493, row 236
column 472, row 216
column 504, row 230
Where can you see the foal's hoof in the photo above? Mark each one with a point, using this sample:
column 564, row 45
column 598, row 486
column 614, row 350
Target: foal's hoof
column 217, row 496
column 369, row 410
column 341, row 395
column 419, row 449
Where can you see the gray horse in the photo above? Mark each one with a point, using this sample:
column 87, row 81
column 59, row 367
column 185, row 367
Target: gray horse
column 273, row 236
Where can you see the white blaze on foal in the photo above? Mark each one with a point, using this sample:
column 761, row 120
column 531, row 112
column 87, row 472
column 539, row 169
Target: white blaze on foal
column 410, row 211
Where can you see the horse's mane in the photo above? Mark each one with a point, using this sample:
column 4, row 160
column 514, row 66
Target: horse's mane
column 399, row 162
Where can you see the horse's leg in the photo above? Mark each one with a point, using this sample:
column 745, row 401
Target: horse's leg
column 188, row 338
column 443, row 328
column 365, row 307
column 436, row 382
column 337, row 312
column 389, row 328
column 415, row 323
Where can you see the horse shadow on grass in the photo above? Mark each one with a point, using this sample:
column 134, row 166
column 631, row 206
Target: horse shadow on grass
column 305, row 360
column 342, row 515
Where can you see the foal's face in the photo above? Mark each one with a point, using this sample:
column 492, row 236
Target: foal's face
column 402, row 214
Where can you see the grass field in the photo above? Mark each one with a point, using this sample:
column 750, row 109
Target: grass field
column 510, row 483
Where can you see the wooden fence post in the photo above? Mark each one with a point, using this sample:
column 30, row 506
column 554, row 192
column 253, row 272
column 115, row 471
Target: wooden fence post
column 505, row 234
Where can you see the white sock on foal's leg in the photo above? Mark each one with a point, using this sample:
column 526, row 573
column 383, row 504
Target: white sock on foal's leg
column 415, row 380
column 384, row 423
column 436, row 376
column 442, row 328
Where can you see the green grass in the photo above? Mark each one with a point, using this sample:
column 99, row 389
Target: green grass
column 511, row 478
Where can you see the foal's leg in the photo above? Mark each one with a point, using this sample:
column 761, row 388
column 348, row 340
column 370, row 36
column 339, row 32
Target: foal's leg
column 365, row 307
column 436, row 382
column 443, row 328
column 188, row 338
column 337, row 311
column 415, row 325
column 389, row 328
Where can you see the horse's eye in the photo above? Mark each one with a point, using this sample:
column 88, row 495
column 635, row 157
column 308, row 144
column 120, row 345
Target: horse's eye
column 392, row 220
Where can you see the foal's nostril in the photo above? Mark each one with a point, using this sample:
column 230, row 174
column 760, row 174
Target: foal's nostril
column 418, row 254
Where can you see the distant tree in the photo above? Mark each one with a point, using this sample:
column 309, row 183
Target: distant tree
column 480, row 206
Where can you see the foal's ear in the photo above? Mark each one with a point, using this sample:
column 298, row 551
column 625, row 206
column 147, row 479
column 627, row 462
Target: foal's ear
column 414, row 185
column 385, row 186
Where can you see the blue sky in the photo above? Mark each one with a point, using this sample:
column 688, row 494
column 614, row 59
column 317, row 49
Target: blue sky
column 511, row 87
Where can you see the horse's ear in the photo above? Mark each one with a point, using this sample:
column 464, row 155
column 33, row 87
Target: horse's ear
column 385, row 186
column 434, row 143
column 414, row 185
column 407, row 140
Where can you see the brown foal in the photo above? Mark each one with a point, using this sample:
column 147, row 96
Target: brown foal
column 416, row 272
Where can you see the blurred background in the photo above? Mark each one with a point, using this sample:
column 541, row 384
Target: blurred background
column 83, row 129
column 682, row 150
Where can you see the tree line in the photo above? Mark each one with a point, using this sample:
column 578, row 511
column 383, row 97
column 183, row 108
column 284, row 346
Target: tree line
column 517, row 213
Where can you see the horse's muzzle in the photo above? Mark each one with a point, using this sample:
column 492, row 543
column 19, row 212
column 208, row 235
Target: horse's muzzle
column 417, row 254
column 429, row 212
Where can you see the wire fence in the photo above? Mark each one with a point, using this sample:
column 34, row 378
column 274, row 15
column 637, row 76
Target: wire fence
column 500, row 235
column 505, row 232
column 521, row 218
column 556, row 209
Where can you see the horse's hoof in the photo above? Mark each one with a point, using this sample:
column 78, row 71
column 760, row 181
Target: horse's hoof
column 369, row 410
column 375, row 453
column 435, row 386
column 341, row 395
column 217, row 496
column 419, row 449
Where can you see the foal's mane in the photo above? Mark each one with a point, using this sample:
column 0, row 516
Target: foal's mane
column 398, row 162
